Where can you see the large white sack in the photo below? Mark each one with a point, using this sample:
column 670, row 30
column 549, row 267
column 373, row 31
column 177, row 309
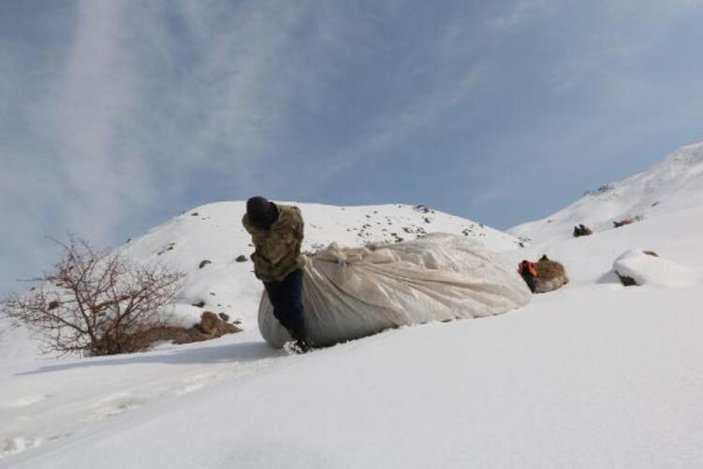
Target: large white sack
column 354, row 292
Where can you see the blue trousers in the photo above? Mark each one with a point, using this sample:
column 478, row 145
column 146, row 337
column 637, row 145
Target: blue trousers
column 286, row 297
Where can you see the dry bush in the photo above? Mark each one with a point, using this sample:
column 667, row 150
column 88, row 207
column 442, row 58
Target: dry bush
column 93, row 302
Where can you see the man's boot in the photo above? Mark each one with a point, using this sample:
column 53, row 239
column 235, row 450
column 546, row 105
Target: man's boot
column 302, row 344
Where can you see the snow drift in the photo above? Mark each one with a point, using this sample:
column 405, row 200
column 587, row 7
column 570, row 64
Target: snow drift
column 646, row 269
column 354, row 292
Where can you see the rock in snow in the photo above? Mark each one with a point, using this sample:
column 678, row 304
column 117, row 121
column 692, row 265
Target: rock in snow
column 646, row 269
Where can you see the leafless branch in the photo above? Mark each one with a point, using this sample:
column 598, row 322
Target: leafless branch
column 93, row 302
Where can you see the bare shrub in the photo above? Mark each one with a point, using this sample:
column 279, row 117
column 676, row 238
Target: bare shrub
column 92, row 301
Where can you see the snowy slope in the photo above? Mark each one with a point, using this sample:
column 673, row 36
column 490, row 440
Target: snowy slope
column 214, row 233
column 212, row 236
column 676, row 183
column 594, row 375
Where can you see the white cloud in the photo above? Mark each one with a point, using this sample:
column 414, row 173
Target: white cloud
column 517, row 14
column 116, row 119
column 223, row 108
column 96, row 95
column 236, row 83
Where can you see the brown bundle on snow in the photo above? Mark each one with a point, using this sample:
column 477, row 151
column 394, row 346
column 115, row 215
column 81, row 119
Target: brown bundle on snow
column 544, row 275
column 582, row 230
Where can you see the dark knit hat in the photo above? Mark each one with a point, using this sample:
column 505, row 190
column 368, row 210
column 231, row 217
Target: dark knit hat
column 262, row 212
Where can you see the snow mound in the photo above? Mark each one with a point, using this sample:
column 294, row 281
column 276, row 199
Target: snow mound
column 646, row 269
column 350, row 293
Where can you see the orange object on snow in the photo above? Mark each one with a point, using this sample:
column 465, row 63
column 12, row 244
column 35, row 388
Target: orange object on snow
column 527, row 266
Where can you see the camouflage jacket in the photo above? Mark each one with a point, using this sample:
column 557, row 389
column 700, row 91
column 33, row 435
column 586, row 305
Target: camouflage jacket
column 277, row 251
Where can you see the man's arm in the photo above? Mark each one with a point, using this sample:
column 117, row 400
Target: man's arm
column 247, row 224
column 300, row 226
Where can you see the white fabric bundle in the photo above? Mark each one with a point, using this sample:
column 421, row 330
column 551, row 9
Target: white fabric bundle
column 354, row 292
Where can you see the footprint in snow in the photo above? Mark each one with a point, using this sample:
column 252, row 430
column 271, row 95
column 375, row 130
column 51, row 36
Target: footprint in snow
column 116, row 404
column 194, row 383
column 18, row 444
column 24, row 401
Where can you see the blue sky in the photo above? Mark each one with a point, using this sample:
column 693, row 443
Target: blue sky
column 117, row 115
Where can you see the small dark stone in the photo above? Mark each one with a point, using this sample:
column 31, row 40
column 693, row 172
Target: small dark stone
column 169, row 247
column 224, row 317
column 581, row 230
column 618, row 224
column 204, row 262
column 626, row 281
column 194, row 214
column 241, row 258
column 199, row 304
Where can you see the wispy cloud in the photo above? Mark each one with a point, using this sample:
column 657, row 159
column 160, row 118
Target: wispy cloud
column 97, row 92
column 115, row 115
column 516, row 14
column 237, row 86
column 117, row 119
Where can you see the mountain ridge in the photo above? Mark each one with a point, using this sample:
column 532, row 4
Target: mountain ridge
column 674, row 183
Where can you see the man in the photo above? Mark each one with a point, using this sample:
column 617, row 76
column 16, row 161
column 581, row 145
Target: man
column 277, row 233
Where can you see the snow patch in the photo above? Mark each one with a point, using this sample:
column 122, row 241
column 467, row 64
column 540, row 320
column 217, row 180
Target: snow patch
column 646, row 269
column 18, row 444
column 24, row 401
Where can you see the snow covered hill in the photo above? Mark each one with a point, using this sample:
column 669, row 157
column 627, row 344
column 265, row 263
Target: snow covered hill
column 676, row 183
column 594, row 375
column 209, row 244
